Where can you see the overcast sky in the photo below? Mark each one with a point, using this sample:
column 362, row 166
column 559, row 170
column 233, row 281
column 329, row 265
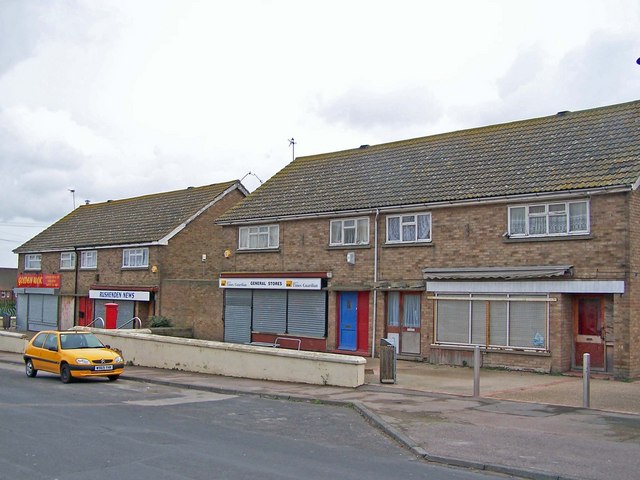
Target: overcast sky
column 120, row 98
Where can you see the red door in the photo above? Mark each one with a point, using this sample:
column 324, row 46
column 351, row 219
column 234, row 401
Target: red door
column 589, row 330
column 85, row 312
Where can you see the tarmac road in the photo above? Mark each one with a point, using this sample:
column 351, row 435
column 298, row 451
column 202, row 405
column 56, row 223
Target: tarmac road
column 429, row 412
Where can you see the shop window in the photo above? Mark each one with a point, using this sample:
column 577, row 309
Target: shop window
column 511, row 321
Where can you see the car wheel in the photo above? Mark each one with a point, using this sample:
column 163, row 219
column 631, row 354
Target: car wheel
column 65, row 373
column 113, row 378
column 30, row 369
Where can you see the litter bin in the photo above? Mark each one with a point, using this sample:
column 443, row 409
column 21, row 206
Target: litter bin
column 387, row 361
column 6, row 322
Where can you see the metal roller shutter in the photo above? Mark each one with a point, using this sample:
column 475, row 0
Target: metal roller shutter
column 307, row 313
column 270, row 311
column 237, row 316
column 125, row 313
column 42, row 312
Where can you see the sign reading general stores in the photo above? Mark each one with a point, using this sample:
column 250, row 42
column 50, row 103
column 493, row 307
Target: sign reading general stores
column 38, row 280
column 272, row 283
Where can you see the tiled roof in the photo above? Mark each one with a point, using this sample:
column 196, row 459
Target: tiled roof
column 144, row 219
column 567, row 151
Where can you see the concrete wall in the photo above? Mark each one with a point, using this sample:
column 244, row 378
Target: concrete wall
column 12, row 342
column 233, row 360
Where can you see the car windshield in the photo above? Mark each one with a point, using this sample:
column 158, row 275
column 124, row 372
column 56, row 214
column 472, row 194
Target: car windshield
column 69, row 341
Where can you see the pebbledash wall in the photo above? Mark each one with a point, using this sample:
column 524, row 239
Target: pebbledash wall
column 471, row 236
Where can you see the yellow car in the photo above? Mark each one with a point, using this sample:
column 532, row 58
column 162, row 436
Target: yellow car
column 71, row 354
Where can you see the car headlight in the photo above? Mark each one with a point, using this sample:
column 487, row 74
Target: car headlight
column 83, row 361
column 118, row 360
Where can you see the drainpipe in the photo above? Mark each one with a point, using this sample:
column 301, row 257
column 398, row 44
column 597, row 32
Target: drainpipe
column 75, row 286
column 375, row 282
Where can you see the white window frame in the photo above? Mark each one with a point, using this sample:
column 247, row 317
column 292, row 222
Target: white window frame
column 253, row 237
column 408, row 220
column 548, row 213
column 33, row 261
column 339, row 228
column 67, row 260
column 88, row 259
column 135, row 257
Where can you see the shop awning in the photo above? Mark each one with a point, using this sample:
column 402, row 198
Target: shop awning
column 503, row 273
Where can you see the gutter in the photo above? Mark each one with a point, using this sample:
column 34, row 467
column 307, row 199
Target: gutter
column 441, row 204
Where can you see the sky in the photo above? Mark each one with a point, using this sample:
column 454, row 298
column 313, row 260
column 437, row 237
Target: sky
column 113, row 99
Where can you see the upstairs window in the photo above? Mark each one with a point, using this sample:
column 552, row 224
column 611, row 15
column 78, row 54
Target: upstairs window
column 89, row 259
column 409, row 228
column 549, row 219
column 259, row 237
column 67, row 260
column 135, row 258
column 353, row 231
column 33, row 261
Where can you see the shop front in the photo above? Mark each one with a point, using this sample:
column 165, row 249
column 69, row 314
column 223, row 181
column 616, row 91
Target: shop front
column 130, row 303
column 288, row 309
column 38, row 298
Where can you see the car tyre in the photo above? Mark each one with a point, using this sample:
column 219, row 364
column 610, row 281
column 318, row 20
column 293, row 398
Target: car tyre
column 65, row 373
column 30, row 369
column 113, row 378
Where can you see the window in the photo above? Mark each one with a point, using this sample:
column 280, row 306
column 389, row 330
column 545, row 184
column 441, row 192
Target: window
column 549, row 219
column 89, row 259
column 511, row 321
column 350, row 232
column 409, row 228
column 32, row 261
column 259, row 237
column 135, row 258
column 67, row 260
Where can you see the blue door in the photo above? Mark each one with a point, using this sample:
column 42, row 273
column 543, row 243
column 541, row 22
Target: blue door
column 348, row 320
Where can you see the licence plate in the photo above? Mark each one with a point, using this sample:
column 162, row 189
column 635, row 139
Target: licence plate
column 99, row 368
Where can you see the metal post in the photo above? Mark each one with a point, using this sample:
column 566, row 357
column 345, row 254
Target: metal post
column 586, row 374
column 476, row 371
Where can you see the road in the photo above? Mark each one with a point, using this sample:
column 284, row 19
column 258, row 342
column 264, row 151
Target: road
column 122, row 430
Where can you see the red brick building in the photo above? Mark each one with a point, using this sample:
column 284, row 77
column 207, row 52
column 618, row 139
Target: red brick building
column 521, row 238
column 156, row 255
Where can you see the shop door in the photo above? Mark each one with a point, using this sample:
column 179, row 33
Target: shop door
column 237, row 316
column 85, row 312
column 348, row 321
column 403, row 322
column 588, row 313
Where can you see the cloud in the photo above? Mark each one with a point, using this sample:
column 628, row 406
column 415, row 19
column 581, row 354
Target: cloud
column 363, row 108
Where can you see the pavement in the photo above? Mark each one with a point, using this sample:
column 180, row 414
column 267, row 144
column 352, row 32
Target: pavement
column 523, row 424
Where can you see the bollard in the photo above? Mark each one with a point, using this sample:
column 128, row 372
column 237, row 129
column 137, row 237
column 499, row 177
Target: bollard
column 586, row 373
column 476, row 371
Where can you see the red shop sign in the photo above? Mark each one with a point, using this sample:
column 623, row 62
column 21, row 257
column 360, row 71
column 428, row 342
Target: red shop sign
column 38, row 280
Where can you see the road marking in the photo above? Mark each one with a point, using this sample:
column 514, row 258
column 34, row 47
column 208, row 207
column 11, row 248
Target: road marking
column 188, row 397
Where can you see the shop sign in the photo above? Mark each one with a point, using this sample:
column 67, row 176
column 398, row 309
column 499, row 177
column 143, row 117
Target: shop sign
column 272, row 283
column 38, row 280
column 132, row 295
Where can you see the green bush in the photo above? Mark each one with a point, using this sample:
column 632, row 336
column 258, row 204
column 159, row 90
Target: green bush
column 158, row 321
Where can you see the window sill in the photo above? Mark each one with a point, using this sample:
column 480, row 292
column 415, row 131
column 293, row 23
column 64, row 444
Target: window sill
column 258, row 250
column 146, row 267
column 484, row 350
column 408, row 244
column 349, row 247
column 558, row 238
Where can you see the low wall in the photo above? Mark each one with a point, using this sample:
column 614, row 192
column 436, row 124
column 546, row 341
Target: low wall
column 234, row 360
column 12, row 342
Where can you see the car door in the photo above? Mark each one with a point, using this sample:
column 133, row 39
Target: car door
column 50, row 358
